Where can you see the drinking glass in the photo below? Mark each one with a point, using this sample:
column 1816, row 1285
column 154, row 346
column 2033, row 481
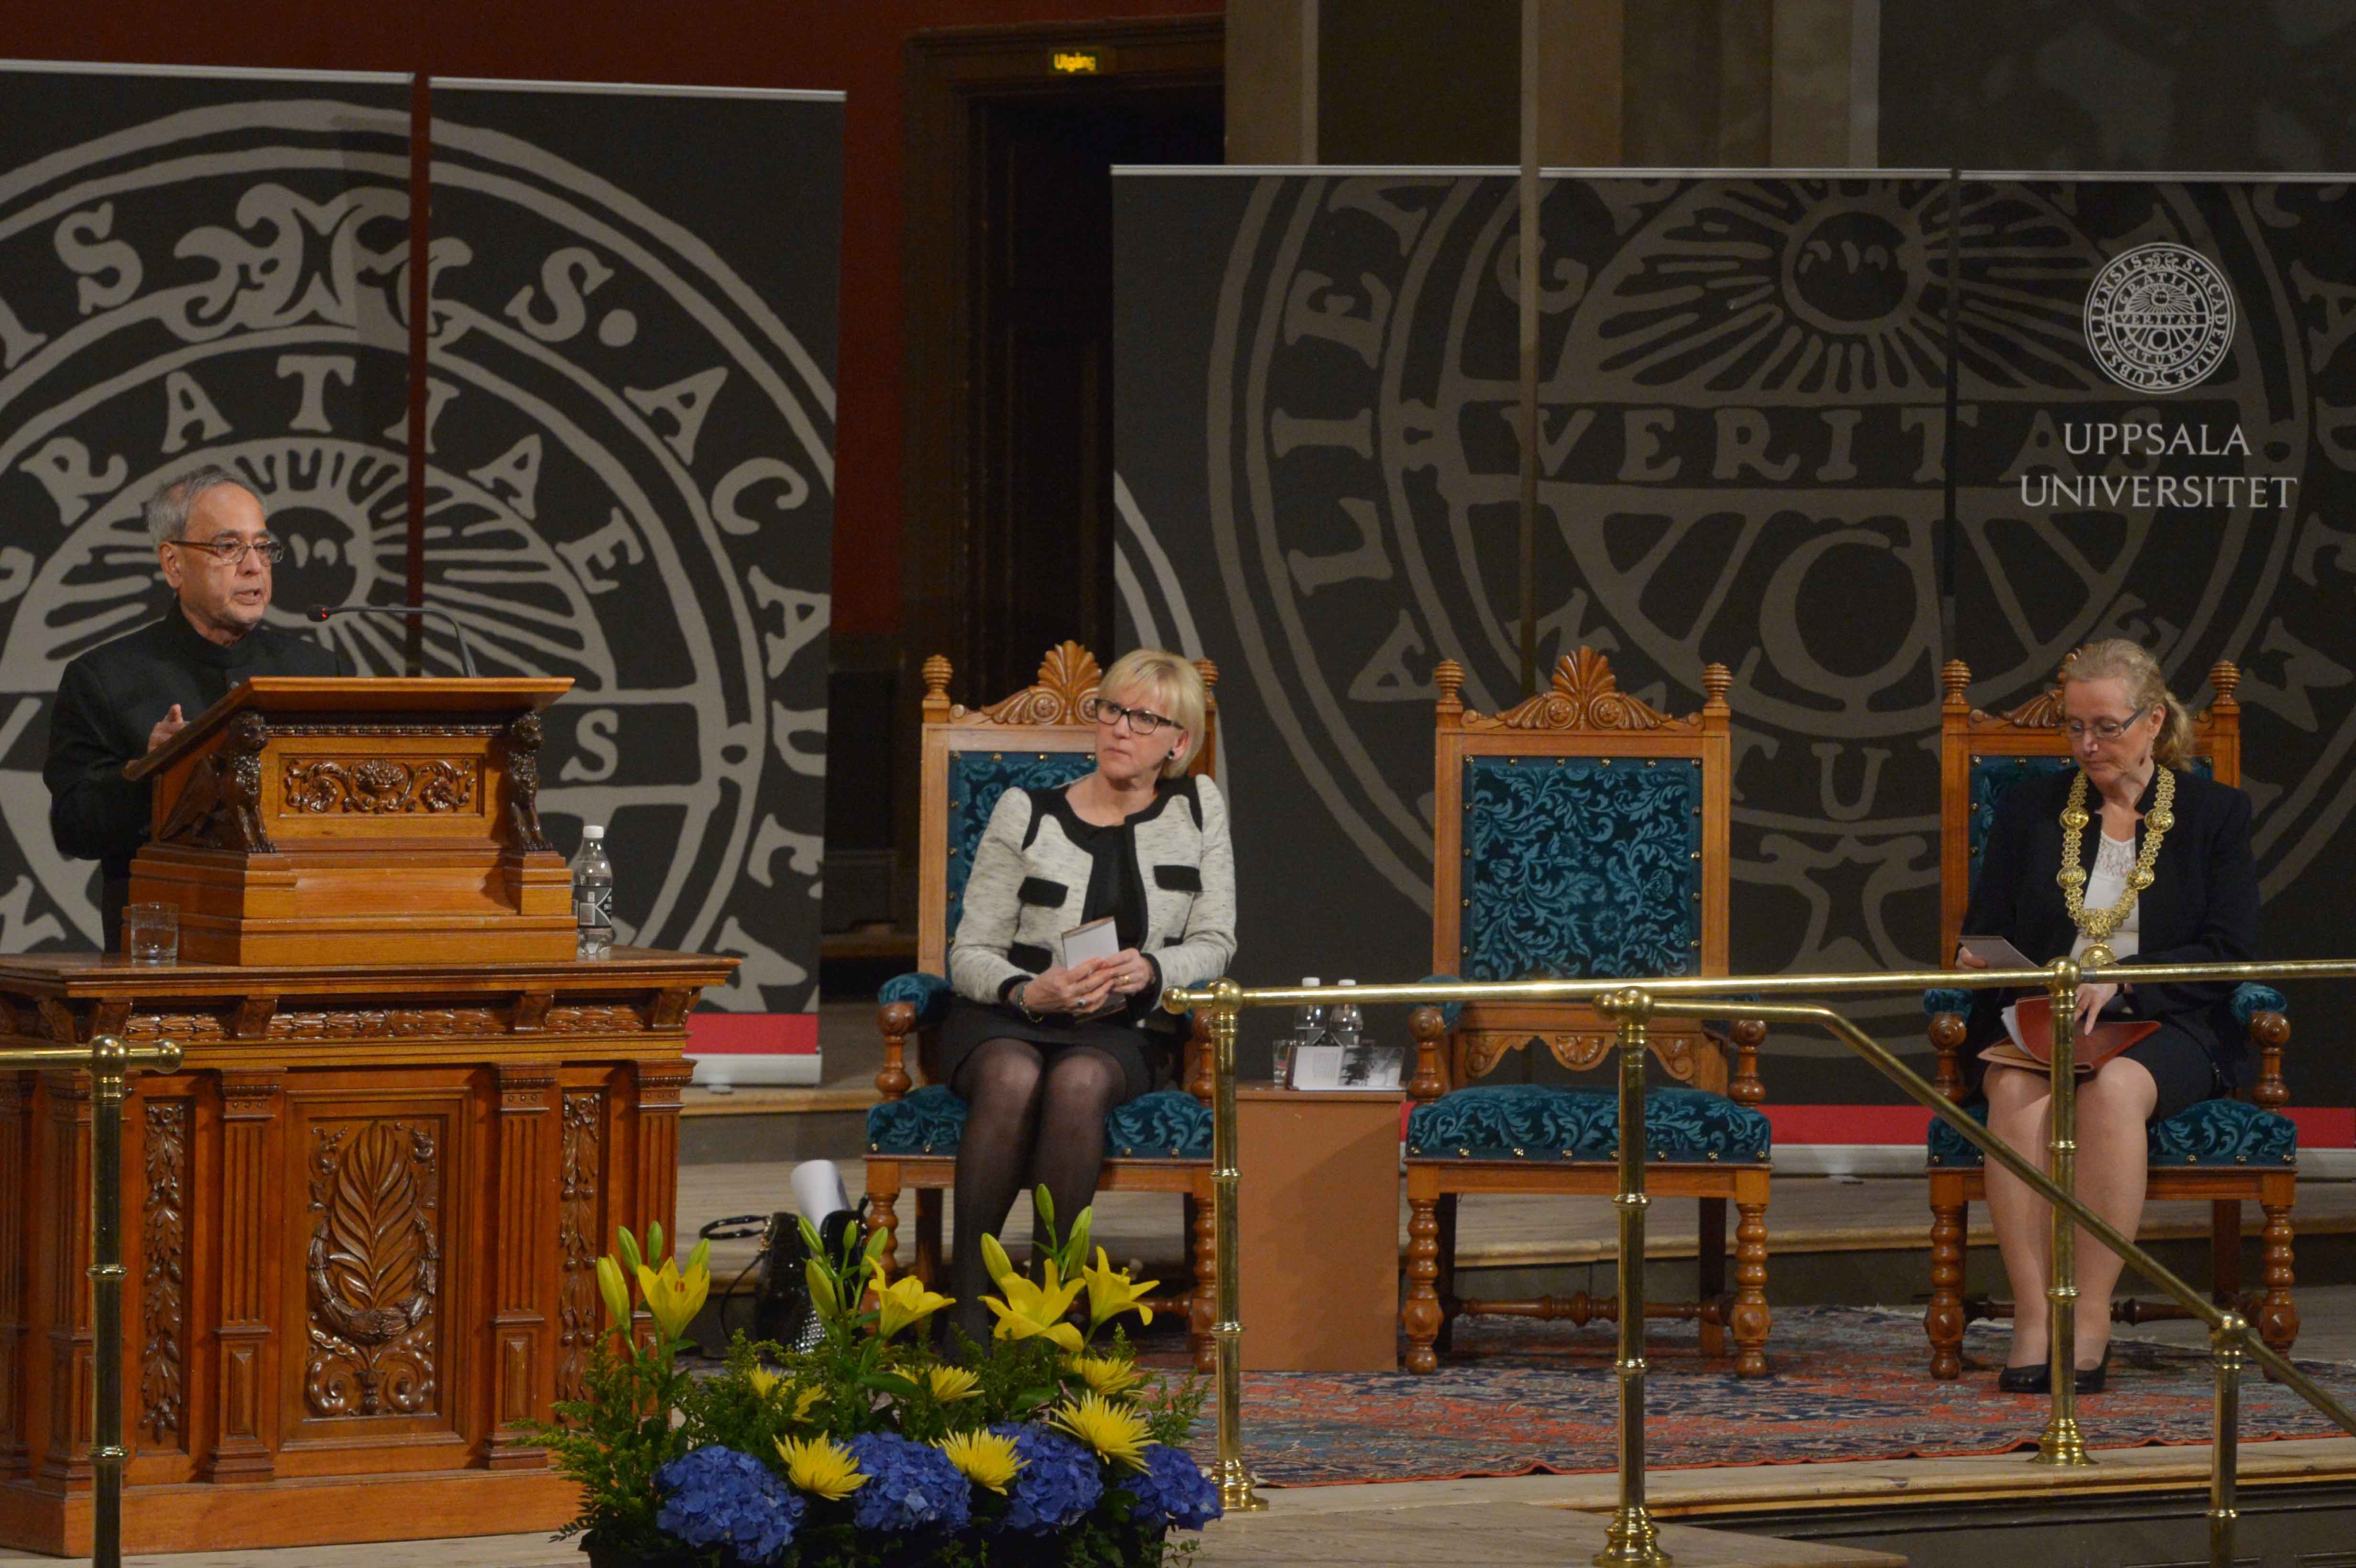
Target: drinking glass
column 151, row 933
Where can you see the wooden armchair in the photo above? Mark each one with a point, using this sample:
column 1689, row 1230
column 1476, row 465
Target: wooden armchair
column 2221, row 1152
column 1582, row 834
column 1158, row 1142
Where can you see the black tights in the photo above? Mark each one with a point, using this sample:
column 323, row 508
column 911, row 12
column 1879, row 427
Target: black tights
column 1028, row 1121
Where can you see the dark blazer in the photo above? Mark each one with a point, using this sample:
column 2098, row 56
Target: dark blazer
column 108, row 701
column 2201, row 907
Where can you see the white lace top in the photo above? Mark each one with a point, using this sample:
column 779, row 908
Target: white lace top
column 2113, row 864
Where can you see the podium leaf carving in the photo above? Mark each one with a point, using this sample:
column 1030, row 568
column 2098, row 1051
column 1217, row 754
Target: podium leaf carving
column 378, row 785
column 221, row 807
column 375, row 1266
column 163, row 1288
column 581, row 1227
column 1066, row 674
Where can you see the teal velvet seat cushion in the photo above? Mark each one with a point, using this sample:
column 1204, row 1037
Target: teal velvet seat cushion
column 976, row 781
column 1546, row 1121
column 1168, row 1123
column 2213, row 1132
column 1577, row 867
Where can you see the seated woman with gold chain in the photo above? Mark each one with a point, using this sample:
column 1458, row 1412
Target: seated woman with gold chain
column 2127, row 858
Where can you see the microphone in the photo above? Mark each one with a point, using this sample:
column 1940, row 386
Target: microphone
column 320, row 613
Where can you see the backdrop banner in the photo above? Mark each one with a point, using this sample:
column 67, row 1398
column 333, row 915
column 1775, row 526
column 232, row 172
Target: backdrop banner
column 629, row 392
column 1744, row 447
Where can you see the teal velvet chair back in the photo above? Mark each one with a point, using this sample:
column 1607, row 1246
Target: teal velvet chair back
column 1580, row 865
column 976, row 781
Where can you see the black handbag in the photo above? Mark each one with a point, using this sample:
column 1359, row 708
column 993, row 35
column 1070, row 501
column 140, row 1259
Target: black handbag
column 782, row 1312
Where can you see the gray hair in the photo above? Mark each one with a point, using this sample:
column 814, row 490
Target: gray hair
column 167, row 511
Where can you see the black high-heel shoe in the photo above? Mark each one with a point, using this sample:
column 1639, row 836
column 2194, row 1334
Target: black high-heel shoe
column 2035, row 1378
column 2091, row 1378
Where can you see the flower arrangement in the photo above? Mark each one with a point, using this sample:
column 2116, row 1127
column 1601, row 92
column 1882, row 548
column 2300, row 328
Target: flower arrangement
column 1048, row 1446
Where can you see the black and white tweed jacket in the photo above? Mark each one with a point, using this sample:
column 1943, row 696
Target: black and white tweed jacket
column 1030, row 883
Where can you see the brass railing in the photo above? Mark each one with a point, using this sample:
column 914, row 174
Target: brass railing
column 109, row 1064
column 1632, row 1536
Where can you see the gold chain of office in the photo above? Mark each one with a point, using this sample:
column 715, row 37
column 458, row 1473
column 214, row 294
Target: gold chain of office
column 2098, row 925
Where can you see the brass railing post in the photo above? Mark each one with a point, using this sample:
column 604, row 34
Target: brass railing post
column 1235, row 1493
column 2225, row 1343
column 2062, row 1443
column 109, row 1063
column 1631, row 1537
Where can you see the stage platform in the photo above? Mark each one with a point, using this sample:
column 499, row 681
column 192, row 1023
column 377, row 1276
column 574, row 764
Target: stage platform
column 2140, row 1508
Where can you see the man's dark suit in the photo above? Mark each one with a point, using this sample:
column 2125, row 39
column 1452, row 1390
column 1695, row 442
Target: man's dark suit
column 109, row 703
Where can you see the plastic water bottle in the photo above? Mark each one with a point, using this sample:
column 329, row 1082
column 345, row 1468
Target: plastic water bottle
column 592, row 893
column 1345, row 1021
column 1309, row 1018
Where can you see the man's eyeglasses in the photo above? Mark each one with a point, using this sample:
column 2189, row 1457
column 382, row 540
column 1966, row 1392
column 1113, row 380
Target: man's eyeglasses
column 2105, row 729
column 1140, row 720
column 229, row 550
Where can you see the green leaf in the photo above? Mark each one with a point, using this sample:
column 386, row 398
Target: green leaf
column 891, row 1383
column 1032, row 1398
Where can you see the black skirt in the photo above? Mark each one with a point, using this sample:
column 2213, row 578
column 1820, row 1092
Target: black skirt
column 1145, row 1055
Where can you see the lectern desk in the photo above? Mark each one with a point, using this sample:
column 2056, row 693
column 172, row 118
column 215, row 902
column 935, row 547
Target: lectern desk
column 362, row 1220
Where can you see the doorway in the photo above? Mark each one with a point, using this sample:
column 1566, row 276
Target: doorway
column 1009, row 460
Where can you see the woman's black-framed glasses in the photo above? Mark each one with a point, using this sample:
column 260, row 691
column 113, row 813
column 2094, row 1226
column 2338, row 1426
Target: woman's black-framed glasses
column 229, row 550
column 2105, row 729
column 1140, row 720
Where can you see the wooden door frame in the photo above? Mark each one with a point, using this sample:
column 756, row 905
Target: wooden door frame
column 950, row 70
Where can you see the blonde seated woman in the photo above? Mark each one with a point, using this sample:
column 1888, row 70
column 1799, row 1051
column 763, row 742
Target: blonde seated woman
column 1038, row 1050
column 2132, row 852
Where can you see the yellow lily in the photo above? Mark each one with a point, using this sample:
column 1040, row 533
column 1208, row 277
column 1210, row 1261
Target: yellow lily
column 822, row 1466
column 994, row 1259
column 904, row 1302
column 1032, row 1308
column 674, row 1298
column 985, row 1458
column 1113, row 1431
column 1107, row 1375
column 1111, row 1293
column 616, row 1290
column 950, row 1384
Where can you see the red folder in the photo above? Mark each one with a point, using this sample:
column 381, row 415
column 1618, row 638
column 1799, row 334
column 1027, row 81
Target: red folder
column 2033, row 1017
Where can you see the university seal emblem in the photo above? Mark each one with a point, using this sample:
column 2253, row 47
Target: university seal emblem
column 2160, row 318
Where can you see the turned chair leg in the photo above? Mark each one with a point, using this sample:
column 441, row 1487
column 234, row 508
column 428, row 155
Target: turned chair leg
column 1944, row 1320
column 1202, row 1301
column 1709, row 1265
column 1751, row 1315
column 2277, row 1317
column 1445, row 1284
column 1420, row 1318
column 884, row 1214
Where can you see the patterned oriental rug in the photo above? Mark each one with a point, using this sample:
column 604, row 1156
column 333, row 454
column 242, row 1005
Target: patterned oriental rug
column 1849, row 1383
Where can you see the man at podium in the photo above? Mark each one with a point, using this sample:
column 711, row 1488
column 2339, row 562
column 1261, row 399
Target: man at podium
column 122, row 700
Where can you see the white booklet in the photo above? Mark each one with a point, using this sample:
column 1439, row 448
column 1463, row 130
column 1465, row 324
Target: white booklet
column 1997, row 954
column 1094, row 939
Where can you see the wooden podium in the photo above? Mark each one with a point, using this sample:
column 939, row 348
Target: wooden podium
column 362, row 1220
column 315, row 820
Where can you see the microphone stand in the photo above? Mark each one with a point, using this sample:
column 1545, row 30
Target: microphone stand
column 321, row 613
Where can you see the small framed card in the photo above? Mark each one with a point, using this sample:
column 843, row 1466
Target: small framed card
column 1094, row 939
column 1370, row 1067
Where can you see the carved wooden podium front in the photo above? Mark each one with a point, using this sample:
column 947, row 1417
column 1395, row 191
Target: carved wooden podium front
column 363, row 1217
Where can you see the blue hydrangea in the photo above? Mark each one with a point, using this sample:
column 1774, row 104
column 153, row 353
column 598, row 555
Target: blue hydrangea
column 716, row 1496
column 909, row 1484
column 1172, row 1490
column 1057, row 1485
